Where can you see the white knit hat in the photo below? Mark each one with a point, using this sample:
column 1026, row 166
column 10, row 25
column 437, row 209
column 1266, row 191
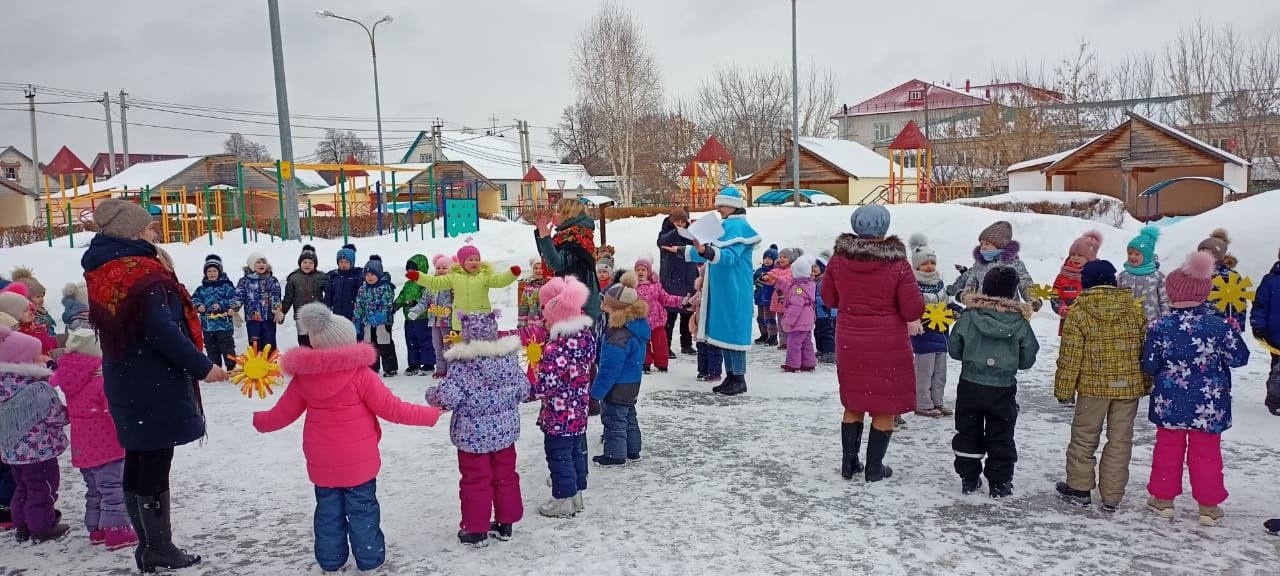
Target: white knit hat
column 84, row 341
column 253, row 258
column 326, row 329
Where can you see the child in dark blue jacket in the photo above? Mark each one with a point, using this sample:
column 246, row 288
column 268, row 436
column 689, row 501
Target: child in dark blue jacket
column 258, row 294
column 824, row 326
column 1265, row 321
column 930, row 346
column 766, row 319
column 340, row 292
column 617, row 384
column 215, row 300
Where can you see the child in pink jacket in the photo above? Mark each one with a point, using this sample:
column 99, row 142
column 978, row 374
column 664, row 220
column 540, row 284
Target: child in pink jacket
column 800, row 316
column 780, row 279
column 95, row 449
column 343, row 400
column 651, row 291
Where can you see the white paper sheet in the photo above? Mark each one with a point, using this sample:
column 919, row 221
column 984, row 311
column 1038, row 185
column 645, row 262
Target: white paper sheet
column 705, row 229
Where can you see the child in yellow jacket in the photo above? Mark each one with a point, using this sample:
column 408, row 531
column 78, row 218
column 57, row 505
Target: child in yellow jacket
column 470, row 279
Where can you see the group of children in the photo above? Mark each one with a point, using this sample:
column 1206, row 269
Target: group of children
column 790, row 313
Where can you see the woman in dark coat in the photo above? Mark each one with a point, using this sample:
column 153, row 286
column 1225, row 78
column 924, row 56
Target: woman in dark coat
column 151, row 367
column 571, row 251
column 677, row 276
column 870, row 282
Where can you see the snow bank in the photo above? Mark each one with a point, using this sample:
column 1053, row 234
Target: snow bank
column 1087, row 205
column 1251, row 223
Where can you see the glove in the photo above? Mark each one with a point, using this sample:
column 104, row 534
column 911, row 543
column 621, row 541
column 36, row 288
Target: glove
column 412, row 275
column 515, row 270
column 279, row 317
column 1036, row 305
column 413, row 315
column 593, row 408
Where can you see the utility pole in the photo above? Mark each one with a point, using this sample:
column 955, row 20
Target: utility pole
column 493, row 124
column 124, row 129
column 437, row 146
column 111, row 141
column 35, row 147
column 795, row 113
column 525, row 161
column 282, row 118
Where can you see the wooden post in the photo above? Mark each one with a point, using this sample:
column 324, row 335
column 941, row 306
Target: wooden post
column 244, row 230
column 182, row 215
column 342, row 189
column 208, row 216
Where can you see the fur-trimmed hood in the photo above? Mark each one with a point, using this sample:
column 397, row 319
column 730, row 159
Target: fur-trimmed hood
column 877, row 249
column 1009, row 254
column 571, row 326
column 504, row 346
column 983, row 302
column 637, row 309
column 34, row 371
column 326, row 371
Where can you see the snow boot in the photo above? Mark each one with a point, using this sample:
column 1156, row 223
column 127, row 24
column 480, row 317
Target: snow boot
column 606, row 461
column 648, row 369
column 501, row 532
column 157, row 533
column 688, row 351
column 877, row 445
column 1001, row 489
column 1209, row 516
column 558, row 508
column 135, row 517
column 1162, row 508
column 22, row 535
column 98, row 536
column 671, row 354
column 1080, row 498
column 763, row 339
column 389, row 374
column 773, row 340
column 712, row 378
column 474, row 539
column 851, row 444
column 1272, row 526
column 578, row 505
column 970, row 485
column 6, row 519
column 1110, row 507
column 789, row 369
column 411, row 371
column 734, row 385
column 701, row 377
column 119, row 537
column 53, row 533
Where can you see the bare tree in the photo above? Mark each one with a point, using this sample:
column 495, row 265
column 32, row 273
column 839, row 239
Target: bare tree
column 246, row 150
column 819, row 93
column 1188, row 71
column 578, row 140
column 338, row 145
column 1080, row 81
column 616, row 75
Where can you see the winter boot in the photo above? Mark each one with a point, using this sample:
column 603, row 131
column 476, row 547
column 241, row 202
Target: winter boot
column 135, row 517
column 1272, row 526
column 851, row 444
column 701, row 377
column 877, row 445
column 1162, row 508
column 648, row 369
column 558, row 508
column 606, row 461
column 501, row 532
column 773, row 340
column 411, row 371
column 763, row 339
column 1109, row 507
column 389, row 374
column 1209, row 516
column 6, row 519
column 59, row 531
column 120, row 537
column 22, row 535
column 474, row 539
column 578, row 505
column 98, row 536
column 734, row 385
column 1080, row 498
column 970, row 485
column 1001, row 489
column 158, row 536
column 688, row 351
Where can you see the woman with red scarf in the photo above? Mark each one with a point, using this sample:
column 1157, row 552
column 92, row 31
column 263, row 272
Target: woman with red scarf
column 571, row 251
column 151, row 367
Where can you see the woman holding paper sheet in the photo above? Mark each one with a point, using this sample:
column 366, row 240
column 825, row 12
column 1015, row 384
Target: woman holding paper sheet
column 727, row 311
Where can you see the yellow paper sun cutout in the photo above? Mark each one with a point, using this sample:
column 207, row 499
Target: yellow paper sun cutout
column 938, row 316
column 1043, row 292
column 256, row 371
column 1231, row 292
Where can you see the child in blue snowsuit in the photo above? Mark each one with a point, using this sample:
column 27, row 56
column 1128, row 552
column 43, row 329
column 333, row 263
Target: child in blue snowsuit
column 215, row 300
column 617, row 383
column 340, row 291
column 766, row 319
column 375, row 315
column 824, row 327
column 1265, row 321
column 258, row 294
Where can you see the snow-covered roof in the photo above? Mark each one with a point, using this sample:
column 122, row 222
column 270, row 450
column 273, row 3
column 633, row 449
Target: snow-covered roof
column 401, row 177
column 1189, row 139
column 849, row 156
column 1041, row 161
column 139, row 176
column 498, row 158
column 308, row 178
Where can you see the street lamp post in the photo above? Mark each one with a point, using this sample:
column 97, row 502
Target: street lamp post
column 373, row 49
column 795, row 113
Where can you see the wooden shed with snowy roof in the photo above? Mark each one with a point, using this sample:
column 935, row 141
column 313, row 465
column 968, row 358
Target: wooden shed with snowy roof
column 845, row 170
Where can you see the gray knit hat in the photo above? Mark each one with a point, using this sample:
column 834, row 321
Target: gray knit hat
column 121, row 218
column 999, row 234
column 870, row 221
column 326, row 329
column 791, row 253
column 918, row 246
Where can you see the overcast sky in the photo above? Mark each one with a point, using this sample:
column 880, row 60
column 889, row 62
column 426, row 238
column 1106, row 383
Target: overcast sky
column 463, row 60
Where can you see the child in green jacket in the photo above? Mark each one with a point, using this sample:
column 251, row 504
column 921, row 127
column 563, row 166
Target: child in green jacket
column 470, row 279
column 993, row 341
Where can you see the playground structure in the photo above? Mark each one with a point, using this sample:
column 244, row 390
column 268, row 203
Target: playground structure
column 710, row 170
column 1152, row 194
column 914, row 184
column 185, row 213
column 533, row 193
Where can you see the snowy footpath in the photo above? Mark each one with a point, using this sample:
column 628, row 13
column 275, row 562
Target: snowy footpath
column 745, row 485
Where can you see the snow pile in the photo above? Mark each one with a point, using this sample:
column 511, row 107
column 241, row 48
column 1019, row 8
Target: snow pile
column 1251, row 223
column 1097, row 207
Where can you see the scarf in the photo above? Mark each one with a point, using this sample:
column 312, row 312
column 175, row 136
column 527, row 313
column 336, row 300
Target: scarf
column 580, row 236
column 927, row 277
column 991, row 255
column 1071, row 272
column 116, row 291
column 1146, row 269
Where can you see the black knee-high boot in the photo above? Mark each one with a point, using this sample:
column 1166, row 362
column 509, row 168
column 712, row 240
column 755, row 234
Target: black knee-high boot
column 877, row 445
column 135, row 518
column 851, row 442
column 160, row 551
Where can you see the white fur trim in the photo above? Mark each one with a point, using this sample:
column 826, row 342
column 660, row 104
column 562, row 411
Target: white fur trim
column 732, row 201
column 570, row 327
column 483, row 349
column 748, row 240
column 32, row 370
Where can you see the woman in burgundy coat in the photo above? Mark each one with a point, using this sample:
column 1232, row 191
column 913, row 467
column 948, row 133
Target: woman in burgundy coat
column 870, row 282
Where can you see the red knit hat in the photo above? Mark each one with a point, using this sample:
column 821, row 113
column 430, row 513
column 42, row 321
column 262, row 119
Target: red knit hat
column 1190, row 284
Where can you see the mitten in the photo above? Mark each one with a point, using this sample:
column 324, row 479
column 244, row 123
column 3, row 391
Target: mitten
column 1036, row 305
column 515, row 270
column 413, row 315
column 412, row 275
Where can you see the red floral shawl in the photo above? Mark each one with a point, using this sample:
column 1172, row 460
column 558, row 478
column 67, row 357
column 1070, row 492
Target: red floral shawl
column 115, row 292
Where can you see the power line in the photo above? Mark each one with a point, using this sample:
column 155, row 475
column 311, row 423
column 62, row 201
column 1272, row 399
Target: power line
column 163, row 127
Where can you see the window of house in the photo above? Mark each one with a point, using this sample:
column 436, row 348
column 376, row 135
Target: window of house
column 915, row 95
column 425, row 158
column 882, row 131
column 11, row 172
column 502, row 187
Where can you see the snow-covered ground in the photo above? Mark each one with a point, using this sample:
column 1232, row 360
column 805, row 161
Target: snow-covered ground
column 745, row 485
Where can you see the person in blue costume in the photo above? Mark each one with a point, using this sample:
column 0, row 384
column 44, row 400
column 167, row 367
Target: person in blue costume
column 727, row 309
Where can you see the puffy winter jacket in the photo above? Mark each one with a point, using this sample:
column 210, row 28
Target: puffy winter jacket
column 1190, row 353
column 1102, row 346
column 978, row 272
column 621, row 359
column 484, row 389
column 412, row 292
column 1149, row 291
column 675, row 273
column 301, row 288
column 340, row 291
column 993, row 341
column 659, row 300
column 1265, row 317
column 564, row 377
column 32, row 417
column 343, row 400
column 470, row 291
column 763, row 295
column 218, row 298
column 932, row 341
column 93, row 432
column 374, row 304
column 258, row 296
column 801, row 300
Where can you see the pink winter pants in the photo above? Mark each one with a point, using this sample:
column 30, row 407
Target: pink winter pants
column 800, row 354
column 1203, row 454
column 489, row 489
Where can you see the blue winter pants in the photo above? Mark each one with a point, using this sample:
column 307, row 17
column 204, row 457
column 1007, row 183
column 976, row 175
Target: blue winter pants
column 263, row 331
column 621, row 431
column 736, row 361
column 710, row 359
column 824, row 335
column 417, row 339
column 567, row 460
column 349, row 515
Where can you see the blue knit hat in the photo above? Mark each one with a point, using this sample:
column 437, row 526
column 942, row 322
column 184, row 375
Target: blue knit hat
column 772, row 252
column 870, row 221
column 348, row 253
column 730, row 196
column 374, row 266
column 1145, row 243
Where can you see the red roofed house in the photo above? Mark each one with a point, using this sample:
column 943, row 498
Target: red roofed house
column 876, row 121
column 99, row 165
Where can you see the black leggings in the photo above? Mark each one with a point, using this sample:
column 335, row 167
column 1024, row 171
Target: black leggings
column 146, row 473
